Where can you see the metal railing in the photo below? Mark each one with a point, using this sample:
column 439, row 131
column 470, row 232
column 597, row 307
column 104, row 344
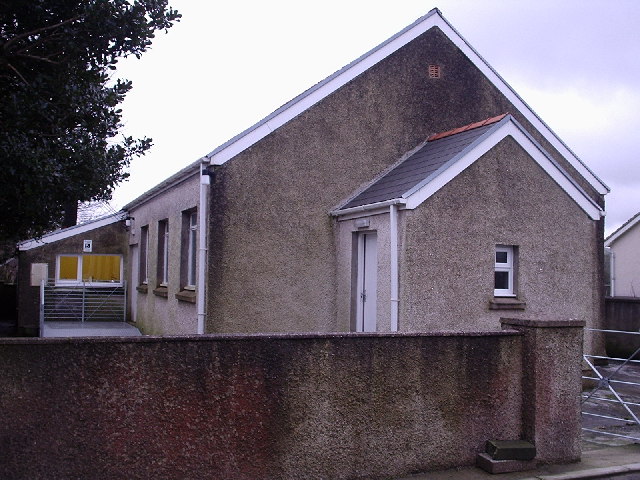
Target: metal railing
column 83, row 302
column 615, row 394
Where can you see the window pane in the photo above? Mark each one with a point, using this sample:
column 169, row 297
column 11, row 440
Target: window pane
column 501, row 257
column 144, row 248
column 101, row 268
column 501, row 280
column 192, row 258
column 165, row 254
column 68, row 268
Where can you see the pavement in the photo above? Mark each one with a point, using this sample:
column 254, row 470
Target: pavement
column 619, row 462
column 89, row 329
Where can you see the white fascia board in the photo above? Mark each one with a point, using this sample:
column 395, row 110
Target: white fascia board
column 70, row 231
column 366, row 210
column 522, row 106
column 315, row 94
column 363, row 214
column 167, row 184
column 622, row 230
column 323, row 89
column 506, row 127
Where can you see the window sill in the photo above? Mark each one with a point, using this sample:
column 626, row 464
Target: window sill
column 143, row 288
column 186, row 296
column 161, row 292
column 506, row 303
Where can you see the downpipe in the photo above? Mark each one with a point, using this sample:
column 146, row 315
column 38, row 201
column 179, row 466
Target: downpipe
column 202, row 244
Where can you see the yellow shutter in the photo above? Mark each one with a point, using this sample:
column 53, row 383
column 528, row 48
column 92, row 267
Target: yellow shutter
column 101, row 268
column 68, row 267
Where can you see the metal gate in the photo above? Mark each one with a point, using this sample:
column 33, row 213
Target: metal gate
column 611, row 399
column 82, row 302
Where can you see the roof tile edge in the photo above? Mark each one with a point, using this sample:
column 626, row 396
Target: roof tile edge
column 465, row 128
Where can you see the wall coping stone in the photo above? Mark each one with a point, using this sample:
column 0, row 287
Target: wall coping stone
column 544, row 323
column 251, row 337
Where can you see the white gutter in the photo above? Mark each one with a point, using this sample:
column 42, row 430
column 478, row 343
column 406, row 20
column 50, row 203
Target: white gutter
column 202, row 242
column 393, row 234
column 370, row 206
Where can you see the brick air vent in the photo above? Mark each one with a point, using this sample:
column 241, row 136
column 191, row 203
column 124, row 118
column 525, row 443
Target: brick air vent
column 434, row 71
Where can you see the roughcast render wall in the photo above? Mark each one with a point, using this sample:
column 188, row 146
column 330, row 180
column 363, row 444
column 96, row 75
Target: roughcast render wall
column 256, row 407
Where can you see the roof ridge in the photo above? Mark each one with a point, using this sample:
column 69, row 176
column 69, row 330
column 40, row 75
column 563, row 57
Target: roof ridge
column 433, row 19
column 465, row 128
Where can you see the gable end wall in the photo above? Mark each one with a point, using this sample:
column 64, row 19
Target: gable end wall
column 272, row 264
column 503, row 198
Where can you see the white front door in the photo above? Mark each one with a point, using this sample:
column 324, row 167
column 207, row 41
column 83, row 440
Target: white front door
column 367, row 280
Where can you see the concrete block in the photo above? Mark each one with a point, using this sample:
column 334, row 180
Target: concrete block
column 510, row 449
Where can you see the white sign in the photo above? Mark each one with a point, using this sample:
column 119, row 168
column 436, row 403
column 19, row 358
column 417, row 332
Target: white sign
column 39, row 273
column 87, row 245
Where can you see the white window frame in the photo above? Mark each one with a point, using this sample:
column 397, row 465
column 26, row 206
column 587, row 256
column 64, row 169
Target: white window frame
column 508, row 267
column 78, row 281
column 192, row 251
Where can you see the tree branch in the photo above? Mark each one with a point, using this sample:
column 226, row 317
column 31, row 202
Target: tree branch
column 18, row 73
column 35, row 57
column 20, row 36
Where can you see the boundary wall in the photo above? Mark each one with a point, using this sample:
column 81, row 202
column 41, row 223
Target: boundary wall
column 313, row 406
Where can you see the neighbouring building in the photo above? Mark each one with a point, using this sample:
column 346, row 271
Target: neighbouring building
column 624, row 259
column 86, row 261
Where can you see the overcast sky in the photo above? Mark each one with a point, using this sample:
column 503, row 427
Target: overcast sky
column 226, row 65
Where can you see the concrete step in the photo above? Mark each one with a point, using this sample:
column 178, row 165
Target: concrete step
column 491, row 465
column 505, row 456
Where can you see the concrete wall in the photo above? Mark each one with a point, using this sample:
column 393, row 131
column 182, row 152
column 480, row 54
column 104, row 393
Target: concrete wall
column 626, row 264
column 284, row 407
column 273, row 247
column 160, row 311
column 110, row 239
column 447, row 248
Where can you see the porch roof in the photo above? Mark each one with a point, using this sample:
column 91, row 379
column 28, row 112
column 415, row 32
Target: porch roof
column 426, row 169
column 423, row 164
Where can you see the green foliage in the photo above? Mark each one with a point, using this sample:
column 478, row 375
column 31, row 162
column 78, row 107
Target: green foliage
column 59, row 116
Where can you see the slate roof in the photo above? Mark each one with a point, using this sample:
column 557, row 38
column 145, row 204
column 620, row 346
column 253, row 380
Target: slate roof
column 175, row 179
column 423, row 165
